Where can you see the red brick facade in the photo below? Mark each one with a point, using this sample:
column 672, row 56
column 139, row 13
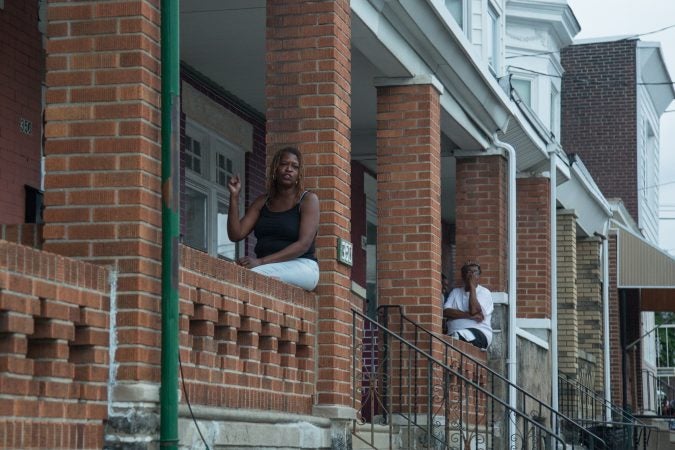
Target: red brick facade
column 408, row 201
column 308, row 92
column 599, row 114
column 21, row 76
column 54, row 319
column 616, row 353
column 482, row 213
column 247, row 341
column 534, row 247
column 102, row 169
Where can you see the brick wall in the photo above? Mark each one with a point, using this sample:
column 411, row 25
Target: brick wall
column 599, row 114
column 308, row 89
column 589, row 306
column 408, row 201
column 247, row 341
column 53, row 350
column 482, row 210
column 616, row 374
column 534, row 247
column 21, row 76
column 103, row 169
column 568, row 325
column 28, row 234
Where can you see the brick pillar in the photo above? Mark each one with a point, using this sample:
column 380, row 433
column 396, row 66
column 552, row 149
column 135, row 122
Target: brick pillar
column 482, row 213
column 409, row 228
column 102, row 178
column 589, row 307
column 616, row 351
column 534, row 247
column 568, row 339
column 408, row 201
column 308, row 105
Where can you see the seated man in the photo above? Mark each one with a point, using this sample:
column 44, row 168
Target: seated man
column 469, row 309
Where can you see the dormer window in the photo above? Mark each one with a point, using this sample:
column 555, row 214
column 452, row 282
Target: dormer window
column 493, row 38
column 457, row 10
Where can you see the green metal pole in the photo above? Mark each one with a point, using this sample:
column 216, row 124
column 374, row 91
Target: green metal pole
column 168, row 393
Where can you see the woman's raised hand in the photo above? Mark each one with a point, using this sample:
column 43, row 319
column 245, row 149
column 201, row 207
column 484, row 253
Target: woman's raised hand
column 234, row 185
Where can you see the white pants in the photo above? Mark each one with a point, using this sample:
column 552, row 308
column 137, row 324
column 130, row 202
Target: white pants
column 300, row 272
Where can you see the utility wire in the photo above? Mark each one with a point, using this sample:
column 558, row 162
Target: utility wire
column 187, row 400
column 656, row 185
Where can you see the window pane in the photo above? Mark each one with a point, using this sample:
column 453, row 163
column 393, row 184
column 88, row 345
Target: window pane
column 553, row 113
column 456, row 8
column 224, row 170
column 226, row 248
column 195, row 221
column 492, row 38
column 524, row 90
column 193, row 154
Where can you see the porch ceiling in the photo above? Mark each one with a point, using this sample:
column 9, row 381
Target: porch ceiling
column 225, row 41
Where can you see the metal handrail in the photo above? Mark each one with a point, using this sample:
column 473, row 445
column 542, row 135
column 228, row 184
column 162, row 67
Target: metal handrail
column 617, row 413
column 654, row 386
column 560, row 423
column 440, row 410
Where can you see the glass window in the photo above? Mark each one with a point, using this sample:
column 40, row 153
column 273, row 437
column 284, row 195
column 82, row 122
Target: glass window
column 193, row 154
column 493, row 38
column 196, row 219
column 211, row 161
column 555, row 110
column 226, row 248
column 456, row 8
column 524, row 90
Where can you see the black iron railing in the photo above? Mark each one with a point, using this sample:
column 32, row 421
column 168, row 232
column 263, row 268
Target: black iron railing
column 619, row 428
column 411, row 392
column 658, row 396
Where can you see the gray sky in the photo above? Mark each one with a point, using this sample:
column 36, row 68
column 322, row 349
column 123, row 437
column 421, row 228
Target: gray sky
column 603, row 18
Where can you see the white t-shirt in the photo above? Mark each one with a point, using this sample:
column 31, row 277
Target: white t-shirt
column 459, row 299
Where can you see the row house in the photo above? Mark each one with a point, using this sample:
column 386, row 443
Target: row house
column 431, row 133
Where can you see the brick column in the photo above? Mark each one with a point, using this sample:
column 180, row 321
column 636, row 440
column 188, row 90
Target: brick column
column 589, row 306
column 481, row 218
column 408, row 201
column 308, row 105
column 568, row 339
column 102, row 178
column 534, row 247
column 616, row 351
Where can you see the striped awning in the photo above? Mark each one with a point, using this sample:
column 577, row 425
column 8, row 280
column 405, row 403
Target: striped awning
column 641, row 265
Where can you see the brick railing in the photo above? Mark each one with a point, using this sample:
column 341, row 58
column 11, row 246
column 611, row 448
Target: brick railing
column 29, row 234
column 53, row 350
column 247, row 341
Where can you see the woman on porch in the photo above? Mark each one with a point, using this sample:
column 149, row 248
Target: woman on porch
column 284, row 221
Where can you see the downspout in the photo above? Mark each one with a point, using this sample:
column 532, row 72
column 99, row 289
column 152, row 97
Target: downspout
column 605, row 322
column 512, row 354
column 554, row 279
column 168, row 391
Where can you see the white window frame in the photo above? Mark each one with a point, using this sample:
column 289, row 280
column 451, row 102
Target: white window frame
column 213, row 144
column 465, row 15
column 554, row 111
column 533, row 88
column 494, row 11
